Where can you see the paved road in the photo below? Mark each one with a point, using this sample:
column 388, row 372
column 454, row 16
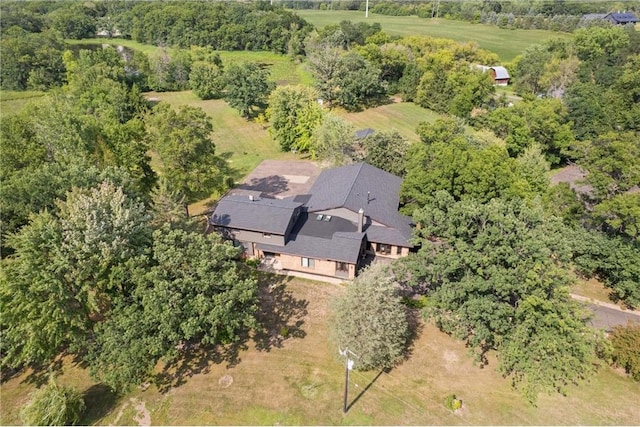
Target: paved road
column 607, row 317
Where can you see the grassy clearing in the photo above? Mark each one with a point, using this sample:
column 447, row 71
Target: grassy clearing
column 284, row 71
column 506, row 43
column 244, row 144
column 12, row 101
column 282, row 68
column 147, row 49
column 298, row 379
column 592, row 288
column 402, row 116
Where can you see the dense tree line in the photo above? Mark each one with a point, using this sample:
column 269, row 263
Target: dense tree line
column 97, row 253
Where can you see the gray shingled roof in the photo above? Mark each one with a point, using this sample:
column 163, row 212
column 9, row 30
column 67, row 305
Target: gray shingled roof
column 261, row 214
column 336, row 240
column 361, row 186
column 390, row 236
column 626, row 17
column 363, row 133
column 344, row 247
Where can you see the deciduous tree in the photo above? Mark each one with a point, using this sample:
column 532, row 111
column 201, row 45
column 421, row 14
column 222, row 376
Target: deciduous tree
column 293, row 115
column 182, row 140
column 194, row 293
column 371, row 320
column 247, row 88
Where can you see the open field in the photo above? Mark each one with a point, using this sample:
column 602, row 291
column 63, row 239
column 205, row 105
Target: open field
column 506, row 43
column 298, row 379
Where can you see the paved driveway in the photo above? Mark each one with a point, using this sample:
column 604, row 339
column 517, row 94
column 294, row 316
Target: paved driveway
column 280, row 179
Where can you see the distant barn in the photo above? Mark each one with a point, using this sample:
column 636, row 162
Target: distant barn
column 500, row 75
column 615, row 18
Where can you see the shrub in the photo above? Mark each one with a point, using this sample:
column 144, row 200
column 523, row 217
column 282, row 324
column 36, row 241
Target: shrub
column 54, row 405
column 626, row 348
column 452, row 403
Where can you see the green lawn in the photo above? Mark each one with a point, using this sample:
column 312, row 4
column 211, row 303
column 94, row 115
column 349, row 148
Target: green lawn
column 506, row 43
column 402, row 116
column 298, row 379
column 243, row 143
column 12, row 101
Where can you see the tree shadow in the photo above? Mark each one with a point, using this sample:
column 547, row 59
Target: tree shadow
column 268, row 185
column 99, row 401
column 192, row 360
column 416, row 326
column 280, row 316
column 40, row 373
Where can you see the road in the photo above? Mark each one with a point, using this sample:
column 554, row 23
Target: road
column 608, row 315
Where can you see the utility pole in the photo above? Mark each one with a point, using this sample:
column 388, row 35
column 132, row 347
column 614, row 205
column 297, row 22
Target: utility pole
column 348, row 367
column 366, row 13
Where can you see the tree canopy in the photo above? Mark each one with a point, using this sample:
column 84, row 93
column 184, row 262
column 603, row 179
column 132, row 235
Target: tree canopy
column 495, row 276
column 371, row 321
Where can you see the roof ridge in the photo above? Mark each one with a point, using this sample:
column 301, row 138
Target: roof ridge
column 355, row 179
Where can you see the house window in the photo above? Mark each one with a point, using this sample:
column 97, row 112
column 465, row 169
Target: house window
column 398, row 250
column 266, row 235
column 342, row 266
column 384, row 248
column 308, row 262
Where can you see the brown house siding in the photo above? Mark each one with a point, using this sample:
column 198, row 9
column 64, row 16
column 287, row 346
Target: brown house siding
column 323, row 267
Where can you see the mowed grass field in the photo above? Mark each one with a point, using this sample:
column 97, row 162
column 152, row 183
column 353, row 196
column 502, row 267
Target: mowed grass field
column 299, row 379
column 506, row 43
column 244, row 143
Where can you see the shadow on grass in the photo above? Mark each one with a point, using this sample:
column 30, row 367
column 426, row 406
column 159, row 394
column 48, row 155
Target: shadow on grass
column 99, row 401
column 280, row 316
column 364, row 390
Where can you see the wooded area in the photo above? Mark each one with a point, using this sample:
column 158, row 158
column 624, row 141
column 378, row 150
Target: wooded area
column 100, row 260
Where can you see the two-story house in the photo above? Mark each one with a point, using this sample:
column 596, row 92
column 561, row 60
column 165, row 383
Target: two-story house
column 350, row 212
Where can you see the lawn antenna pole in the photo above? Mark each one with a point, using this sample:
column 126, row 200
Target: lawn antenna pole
column 346, row 382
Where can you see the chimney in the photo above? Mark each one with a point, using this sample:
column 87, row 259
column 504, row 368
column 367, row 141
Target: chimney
column 360, row 220
column 251, row 197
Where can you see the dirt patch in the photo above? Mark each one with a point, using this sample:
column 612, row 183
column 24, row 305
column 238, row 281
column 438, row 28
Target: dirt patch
column 225, row 381
column 451, row 360
column 120, row 412
column 142, row 417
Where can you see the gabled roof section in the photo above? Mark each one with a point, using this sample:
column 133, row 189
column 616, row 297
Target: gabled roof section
column 363, row 133
column 361, row 186
column 260, row 214
column 355, row 187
